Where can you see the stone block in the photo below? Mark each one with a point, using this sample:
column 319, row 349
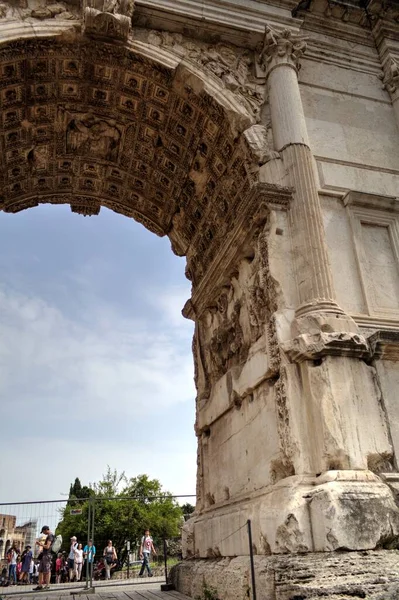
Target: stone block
column 353, row 515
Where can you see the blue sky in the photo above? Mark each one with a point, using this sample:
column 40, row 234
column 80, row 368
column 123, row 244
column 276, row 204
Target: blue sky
column 95, row 357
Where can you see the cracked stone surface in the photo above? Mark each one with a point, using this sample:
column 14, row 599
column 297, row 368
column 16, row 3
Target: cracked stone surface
column 336, row 576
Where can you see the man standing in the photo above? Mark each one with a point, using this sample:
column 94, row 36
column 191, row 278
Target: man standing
column 89, row 554
column 44, row 557
column 146, row 547
column 71, row 557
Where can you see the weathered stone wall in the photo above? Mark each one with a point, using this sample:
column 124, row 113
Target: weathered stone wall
column 339, row 576
column 263, row 140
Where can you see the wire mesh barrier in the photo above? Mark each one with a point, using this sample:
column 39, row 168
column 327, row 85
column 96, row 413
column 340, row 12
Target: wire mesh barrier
column 103, row 541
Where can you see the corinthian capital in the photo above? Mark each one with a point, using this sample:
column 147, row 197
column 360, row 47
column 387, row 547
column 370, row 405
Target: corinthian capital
column 390, row 79
column 281, row 48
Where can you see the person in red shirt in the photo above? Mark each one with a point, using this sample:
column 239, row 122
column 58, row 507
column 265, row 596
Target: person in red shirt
column 59, row 565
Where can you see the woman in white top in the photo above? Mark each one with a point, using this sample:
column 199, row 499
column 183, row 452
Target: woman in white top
column 78, row 561
column 110, row 557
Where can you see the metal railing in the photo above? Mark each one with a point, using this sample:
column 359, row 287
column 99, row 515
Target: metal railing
column 97, row 519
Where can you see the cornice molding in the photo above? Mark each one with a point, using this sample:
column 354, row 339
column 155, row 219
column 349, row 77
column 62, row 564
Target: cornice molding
column 234, row 22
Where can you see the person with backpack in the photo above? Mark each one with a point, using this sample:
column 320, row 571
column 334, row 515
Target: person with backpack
column 110, row 557
column 45, row 558
column 146, row 548
column 71, row 557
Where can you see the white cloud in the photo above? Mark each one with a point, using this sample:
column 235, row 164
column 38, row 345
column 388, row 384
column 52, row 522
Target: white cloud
column 101, row 360
column 175, row 470
column 95, row 358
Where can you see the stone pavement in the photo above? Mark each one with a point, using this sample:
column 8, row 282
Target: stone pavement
column 144, row 591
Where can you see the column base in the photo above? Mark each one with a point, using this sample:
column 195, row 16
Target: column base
column 322, row 315
column 352, row 510
column 339, row 510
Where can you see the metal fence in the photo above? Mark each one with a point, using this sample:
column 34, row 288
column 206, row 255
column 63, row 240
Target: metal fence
column 99, row 519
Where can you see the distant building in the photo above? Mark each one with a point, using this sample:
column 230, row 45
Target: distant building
column 13, row 534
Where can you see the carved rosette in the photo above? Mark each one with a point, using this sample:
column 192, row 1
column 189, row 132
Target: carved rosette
column 281, row 48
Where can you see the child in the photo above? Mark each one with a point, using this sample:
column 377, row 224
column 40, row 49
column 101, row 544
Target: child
column 59, row 564
column 40, row 543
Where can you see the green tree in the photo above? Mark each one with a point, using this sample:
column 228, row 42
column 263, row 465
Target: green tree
column 187, row 510
column 123, row 509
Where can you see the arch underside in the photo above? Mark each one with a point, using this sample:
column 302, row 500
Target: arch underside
column 92, row 124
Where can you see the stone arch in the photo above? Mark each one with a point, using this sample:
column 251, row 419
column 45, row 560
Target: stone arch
column 138, row 130
column 93, row 124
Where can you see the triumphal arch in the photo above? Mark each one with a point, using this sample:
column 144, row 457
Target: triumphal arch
column 262, row 137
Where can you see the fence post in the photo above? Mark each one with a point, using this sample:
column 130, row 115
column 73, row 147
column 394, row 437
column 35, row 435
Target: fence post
column 93, row 505
column 87, row 545
column 251, row 557
column 165, row 587
column 128, row 558
column 165, row 559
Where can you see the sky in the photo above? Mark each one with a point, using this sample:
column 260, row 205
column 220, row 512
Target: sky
column 95, row 357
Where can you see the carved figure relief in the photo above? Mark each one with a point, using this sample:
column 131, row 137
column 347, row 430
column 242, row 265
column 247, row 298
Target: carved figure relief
column 91, row 136
column 108, row 18
column 40, row 11
column 391, row 78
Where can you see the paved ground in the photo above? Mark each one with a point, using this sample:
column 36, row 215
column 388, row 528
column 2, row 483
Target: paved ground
column 104, row 591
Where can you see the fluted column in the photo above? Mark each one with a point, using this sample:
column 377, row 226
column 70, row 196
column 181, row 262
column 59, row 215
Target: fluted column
column 280, row 59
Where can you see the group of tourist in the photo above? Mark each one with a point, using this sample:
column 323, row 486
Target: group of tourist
column 69, row 566
column 22, row 567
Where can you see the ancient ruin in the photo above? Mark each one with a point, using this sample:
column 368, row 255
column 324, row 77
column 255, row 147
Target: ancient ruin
column 263, row 139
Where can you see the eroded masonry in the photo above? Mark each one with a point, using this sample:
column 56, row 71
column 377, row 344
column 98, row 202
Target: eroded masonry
column 263, row 139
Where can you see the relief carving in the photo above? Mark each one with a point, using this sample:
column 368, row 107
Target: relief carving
column 108, row 18
column 390, row 79
column 226, row 347
column 30, row 9
column 261, row 297
column 258, row 140
column 85, row 206
column 91, row 136
column 233, row 66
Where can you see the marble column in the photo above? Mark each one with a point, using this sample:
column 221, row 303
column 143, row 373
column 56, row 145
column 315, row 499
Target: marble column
column 280, row 59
